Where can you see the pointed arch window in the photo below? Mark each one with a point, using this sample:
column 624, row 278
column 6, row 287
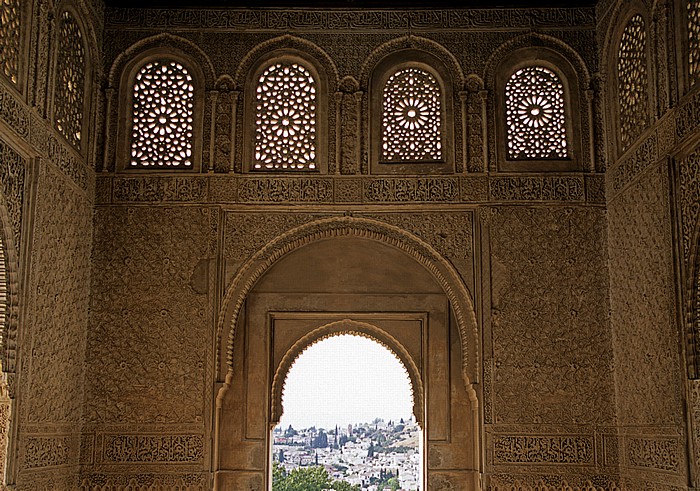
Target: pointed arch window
column 10, row 39
column 535, row 115
column 69, row 105
column 633, row 84
column 694, row 40
column 286, row 112
column 411, row 117
column 162, row 128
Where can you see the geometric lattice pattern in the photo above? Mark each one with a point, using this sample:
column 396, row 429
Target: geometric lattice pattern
column 694, row 40
column 535, row 120
column 411, row 123
column 162, row 116
column 9, row 38
column 70, row 81
column 285, row 118
column 632, row 79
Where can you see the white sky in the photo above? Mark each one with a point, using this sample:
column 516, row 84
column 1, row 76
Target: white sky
column 345, row 379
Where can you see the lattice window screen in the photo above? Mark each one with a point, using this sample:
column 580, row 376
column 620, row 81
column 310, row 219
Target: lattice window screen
column 411, row 117
column 694, row 40
column 9, row 38
column 70, row 81
column 162, row 116
column 535, row 115
column 285, row 118
column 632, row 79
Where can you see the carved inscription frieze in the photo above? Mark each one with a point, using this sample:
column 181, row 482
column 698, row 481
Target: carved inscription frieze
column 424, row 189
column 560, row 449
column 153, row 448
column 12, row 175
column 514, row 188
column 156, row 189
column 654, row 453
column 146, row 481
column 525, row 482
column 356, row 20
column 49, row 451
column 280, row 190
column 366, row 189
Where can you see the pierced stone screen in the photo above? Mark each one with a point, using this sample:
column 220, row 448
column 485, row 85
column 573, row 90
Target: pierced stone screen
column 9, row 38
column 535, row 120
column 70, row 81
column 285, row 118
column 694, row 40
column 163, row 108
column 411, row 127
column 632, row 79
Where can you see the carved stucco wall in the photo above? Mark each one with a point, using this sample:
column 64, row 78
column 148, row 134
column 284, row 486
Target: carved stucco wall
column 150, row 343
column 550, row 399
column 53, row 337
column 645, row 333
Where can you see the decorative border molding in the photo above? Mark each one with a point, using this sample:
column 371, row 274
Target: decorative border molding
column 348, row 20
column 442, row 270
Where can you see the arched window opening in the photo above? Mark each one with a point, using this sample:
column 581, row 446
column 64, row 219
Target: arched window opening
column 10, row 39
column 632, row 81
column 535, row 115
column 694, row 40
column 70, row 81
column 162, row 127
column 285, row 118
column 343, row 422
column 411, row 117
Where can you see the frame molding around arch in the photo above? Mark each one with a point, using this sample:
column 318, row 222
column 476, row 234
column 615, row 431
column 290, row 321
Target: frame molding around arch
column 347, row 226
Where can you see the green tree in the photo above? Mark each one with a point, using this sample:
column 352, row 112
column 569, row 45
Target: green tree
column 307, row 479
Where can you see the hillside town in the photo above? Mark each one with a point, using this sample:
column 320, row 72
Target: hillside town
column 376, row 456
